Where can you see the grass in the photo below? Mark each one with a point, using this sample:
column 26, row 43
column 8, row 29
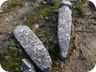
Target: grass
column 71, row 47
column 39, row 12
column 78, row 9
column 12, row 58
column 53, row 69
column 12, row 4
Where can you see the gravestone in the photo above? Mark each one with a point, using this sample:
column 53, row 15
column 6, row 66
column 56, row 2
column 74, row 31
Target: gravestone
column 33, row 47
column 64, row 28
column 27, row 66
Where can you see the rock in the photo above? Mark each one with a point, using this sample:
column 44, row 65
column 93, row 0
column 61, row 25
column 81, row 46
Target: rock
column 44, row 2
column 27, row 66
column 64, row 27
column 65, row 3
column 33, row 47
column 74, row 0
column 7, row 20
column 94, row 69
column 36, row 26
column 1, row 69
column 46, row 18
column 93, row 1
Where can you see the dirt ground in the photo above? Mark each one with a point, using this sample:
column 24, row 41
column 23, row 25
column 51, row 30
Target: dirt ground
column 83, row 39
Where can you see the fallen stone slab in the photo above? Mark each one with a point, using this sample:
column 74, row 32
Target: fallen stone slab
column 93, row 1
column 1, row 69
column 27, row 66
column 64, row 28
column 33, row 47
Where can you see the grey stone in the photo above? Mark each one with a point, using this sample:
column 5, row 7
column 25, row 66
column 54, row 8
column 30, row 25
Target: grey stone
column 74, row 0
column 44, row 2
column 64, row 28
column 33, row 47
column 27, row 66
column 65, row 3
column 93, row 2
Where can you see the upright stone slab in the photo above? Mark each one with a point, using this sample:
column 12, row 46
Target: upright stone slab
column 33, row 47
column 74, row 0
column 65, row 3
column 27, row 66
column 64, row 28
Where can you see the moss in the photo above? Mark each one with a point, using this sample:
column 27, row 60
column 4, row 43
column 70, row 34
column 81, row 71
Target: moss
column 39, row 12
column 48, row 35
column 53, row 69
column 1, row 15
column 78, row 9
column 12, row 58
column 56, row 64
column 12, row 4
column 72, row 47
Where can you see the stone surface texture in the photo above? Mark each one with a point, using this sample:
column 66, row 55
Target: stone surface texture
column 64, row 28
column 74, row 0
column 65, row 3
column 27, row 66
column 33, row 47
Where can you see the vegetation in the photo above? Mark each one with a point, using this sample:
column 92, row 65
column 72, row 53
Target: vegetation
column 78, row 8
column 53, row 69
column 39, row 12
column 12, row 4
column 11, row 59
